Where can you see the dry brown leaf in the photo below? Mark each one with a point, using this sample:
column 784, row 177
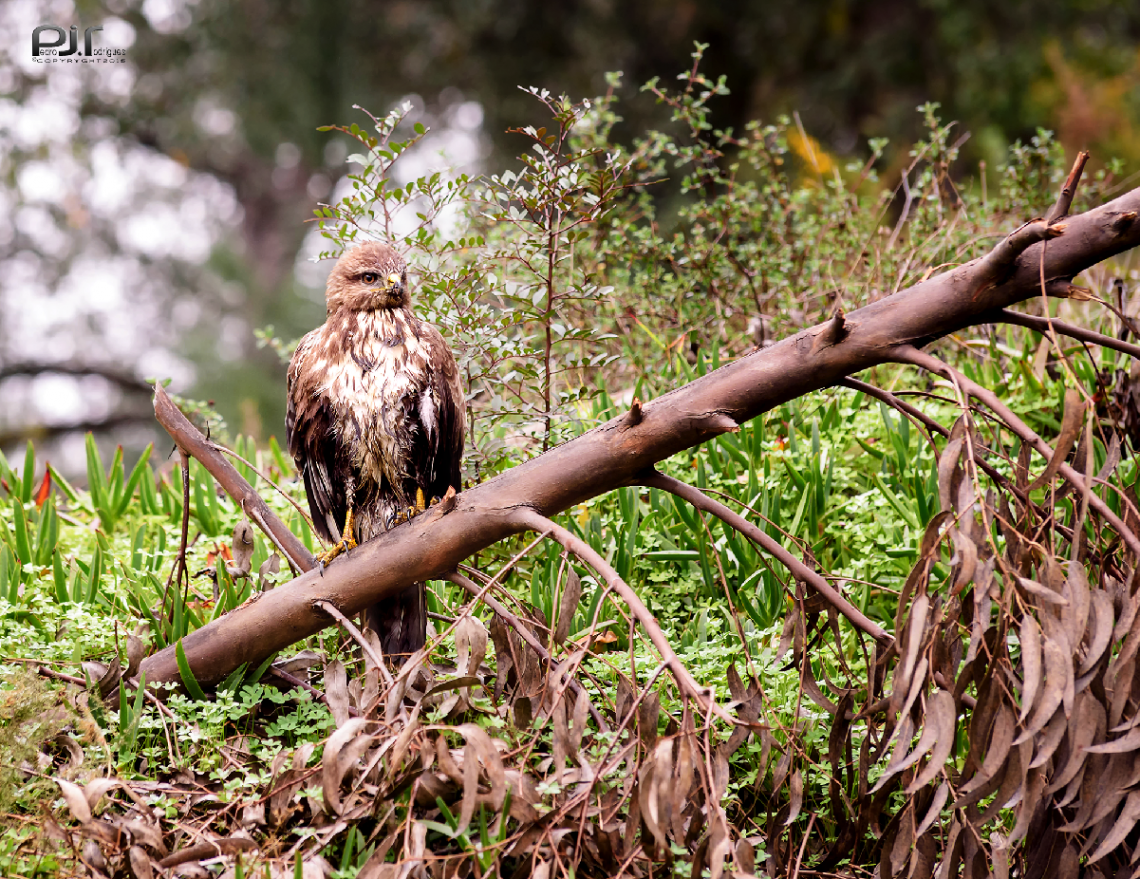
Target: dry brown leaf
column 1030, row 664
column 1118, row 681
column 781, row 769
column 141, row 867
column 744, row 858
column 1050, row 739
column 1034, row 787
column 967, row 555
column 1074, row 618
column 948, row 462
column 900, row 759
column 76, row 801
column 941, row 794
column 136, row 650
column 683, row 772
column 470, row 785
column 336, row 691
column 106, row 676
column 902, row 735
column 1112, row 789
column 1013, row 781
column 795, row 797
column 92, row 856
column 949, row 865
column 97, row 787
column 720, row 846
column 242, row 550
column 1129, row 815
column 814, row 692
column 266, row 569
column 647, row 713
column 571, row 595
column 470, row 645
column 997, row 751
column 791, row 623
column 914, row 629
column 655, row 766
column 941, row 715
column 492, row 763
column 338, row 756
column 1043, row 592
column 1058, row 672
column 1071, row 421
column 1085, row 727
column 1129, row 742
column 1103, row 623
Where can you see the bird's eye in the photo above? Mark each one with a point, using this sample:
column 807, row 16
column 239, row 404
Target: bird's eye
column 370, row 277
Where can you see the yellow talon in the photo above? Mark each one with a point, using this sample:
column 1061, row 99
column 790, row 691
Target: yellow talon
column 411, row 511
column 347, row 541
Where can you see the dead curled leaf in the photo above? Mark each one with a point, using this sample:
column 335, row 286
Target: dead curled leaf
column 1058, row 674
column 1071, row 421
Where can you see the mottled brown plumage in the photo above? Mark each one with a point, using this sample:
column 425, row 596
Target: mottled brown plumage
column 375, row 412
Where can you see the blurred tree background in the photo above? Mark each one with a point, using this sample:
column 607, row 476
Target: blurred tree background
column 153, row 213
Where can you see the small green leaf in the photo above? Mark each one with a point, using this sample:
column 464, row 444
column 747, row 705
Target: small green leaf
column 184, row 671
column 27, row 484
column 23, row 541
column 136, row 474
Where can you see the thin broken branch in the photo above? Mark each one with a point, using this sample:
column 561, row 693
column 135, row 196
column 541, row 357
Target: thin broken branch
column 358, row 637
column 1042, row 324
column 999, row 262
column 1065, row 199
column 523, row 632
column 908, row 354
column 799, row 570
column 190, row 439
column 535, row 522
column 924, row 422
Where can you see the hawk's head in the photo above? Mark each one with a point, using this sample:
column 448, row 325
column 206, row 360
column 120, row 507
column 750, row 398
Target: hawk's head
column 367, row 278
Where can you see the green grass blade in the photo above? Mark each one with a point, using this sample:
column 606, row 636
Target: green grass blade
column 28, row 482
column 188, row 680
column 23, row 539
column 132, row 483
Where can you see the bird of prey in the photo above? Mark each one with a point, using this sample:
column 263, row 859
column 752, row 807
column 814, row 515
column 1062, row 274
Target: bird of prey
column 375, row 420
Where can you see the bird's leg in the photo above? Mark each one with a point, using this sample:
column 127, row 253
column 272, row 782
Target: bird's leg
column 348, row 535
column 414, row 509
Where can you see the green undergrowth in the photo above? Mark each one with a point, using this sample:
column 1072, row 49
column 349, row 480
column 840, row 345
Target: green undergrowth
column 839, row 479
column 591, row 275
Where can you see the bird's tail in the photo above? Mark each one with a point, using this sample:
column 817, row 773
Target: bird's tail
column 400, row 622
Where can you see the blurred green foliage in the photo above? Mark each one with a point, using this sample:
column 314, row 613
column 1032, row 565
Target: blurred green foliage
column 235, row 92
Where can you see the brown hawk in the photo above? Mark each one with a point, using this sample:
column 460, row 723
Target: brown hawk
column 375, row 420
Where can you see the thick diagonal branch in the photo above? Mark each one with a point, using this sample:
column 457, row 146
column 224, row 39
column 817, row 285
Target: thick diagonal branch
column 799, row 570
column 615, row 454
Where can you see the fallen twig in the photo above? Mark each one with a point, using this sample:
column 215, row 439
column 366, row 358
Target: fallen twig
column 702, row 501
